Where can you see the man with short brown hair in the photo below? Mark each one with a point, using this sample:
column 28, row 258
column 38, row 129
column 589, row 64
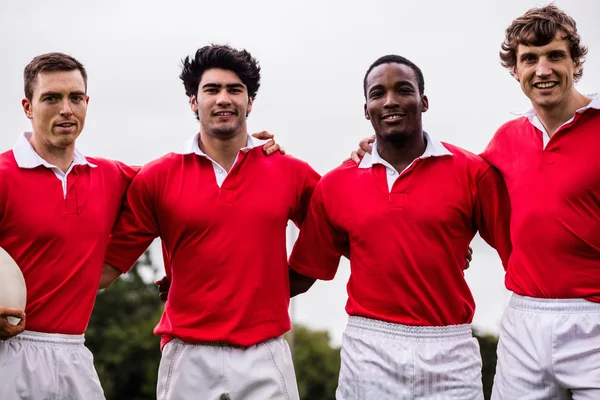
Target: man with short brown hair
column 57, row 209
column 550, row 335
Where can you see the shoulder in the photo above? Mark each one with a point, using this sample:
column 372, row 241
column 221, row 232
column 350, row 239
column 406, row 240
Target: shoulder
column 465, row 159
column 511, row 126
column 344, row 173
column 163, row 163
column 289, row 163
column 116, row 168
column 7, row 161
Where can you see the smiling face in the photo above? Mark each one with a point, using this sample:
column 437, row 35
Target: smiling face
column 222, row 103
column 57, row 108
column 393, row 102
column 546, row 72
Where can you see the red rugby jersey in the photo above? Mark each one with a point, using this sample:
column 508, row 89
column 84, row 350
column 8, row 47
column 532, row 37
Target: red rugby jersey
column 555, row 197
column 224, row 247
column 408, row 245
column 59, row 241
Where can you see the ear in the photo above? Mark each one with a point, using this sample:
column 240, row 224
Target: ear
column 194, row 103
column 249, row 108
column 367, row 116
column 87, row 100
column 424, row 103
column 515, row 74
column 27, row 108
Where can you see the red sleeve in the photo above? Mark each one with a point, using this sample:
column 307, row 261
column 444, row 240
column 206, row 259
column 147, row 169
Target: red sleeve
column 136, row 227
column 320, row 245
column 492, row 213
column 304, row 194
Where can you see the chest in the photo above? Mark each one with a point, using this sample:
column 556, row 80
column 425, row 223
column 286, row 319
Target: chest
column 567, row 169
column 427, row 198
column 36, row 204
column 192, row 200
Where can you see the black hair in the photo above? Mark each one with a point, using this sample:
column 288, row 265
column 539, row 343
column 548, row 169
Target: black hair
column 395, row 59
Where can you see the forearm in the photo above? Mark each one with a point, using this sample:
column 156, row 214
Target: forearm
column 299, row 283
column 108, row 276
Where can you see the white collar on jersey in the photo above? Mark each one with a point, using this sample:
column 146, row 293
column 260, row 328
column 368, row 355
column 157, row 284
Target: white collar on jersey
column 595, row 103
column 27, row 157
column 434, row 148
column 192, row 145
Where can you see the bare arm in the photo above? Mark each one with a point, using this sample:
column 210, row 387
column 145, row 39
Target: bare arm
column 109, row 275
column 299, row 283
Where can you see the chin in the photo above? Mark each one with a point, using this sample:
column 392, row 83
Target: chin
column 395, row 136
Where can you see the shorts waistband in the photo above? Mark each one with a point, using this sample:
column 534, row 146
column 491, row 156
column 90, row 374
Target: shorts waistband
column 409, row 332
column 224, row 344
column 50, row 338
column 553, row 305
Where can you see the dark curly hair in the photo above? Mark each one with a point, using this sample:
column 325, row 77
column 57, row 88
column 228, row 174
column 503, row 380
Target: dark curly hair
column 395, row 59
column 538, row 27
column 220, row 56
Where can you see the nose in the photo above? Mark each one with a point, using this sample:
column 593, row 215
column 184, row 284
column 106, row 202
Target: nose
column 391, row 100
column 544, row 67
column 65, row 108
column 223, row 98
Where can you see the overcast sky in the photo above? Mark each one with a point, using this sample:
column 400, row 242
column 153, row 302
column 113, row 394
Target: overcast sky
column 313, row 56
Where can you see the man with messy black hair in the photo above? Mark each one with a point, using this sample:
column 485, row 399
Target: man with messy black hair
column 221, row 208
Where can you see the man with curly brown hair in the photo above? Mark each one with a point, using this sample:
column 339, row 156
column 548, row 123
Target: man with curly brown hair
column 550, row 336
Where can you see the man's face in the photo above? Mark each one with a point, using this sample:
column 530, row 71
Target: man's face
column 394, row 104
column 57, row 108
column 222, row 103
column 546, row 72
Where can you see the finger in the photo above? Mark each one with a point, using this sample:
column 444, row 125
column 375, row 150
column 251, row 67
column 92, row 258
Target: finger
column 365, row 146
column 371, row 139
column 163, row 296
column 263, row 135
column 161, row 281
column 282, row 150
column 12, row 312
column 361, row 152
column 273, row 149
column 355, row 157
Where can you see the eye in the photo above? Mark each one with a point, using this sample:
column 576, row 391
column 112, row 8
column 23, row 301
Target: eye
column 528, row 58
column 235, row 90
column 376, row 94
column 211, row 90
column 51, row 98
column 555, row 56
column 77, row 98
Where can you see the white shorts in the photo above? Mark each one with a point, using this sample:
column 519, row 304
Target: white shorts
column 548, row 349
column 382, row 361
column 45, row 366
column 219, row 372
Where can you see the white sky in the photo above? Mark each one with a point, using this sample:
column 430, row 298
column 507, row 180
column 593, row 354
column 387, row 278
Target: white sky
column 313, row 56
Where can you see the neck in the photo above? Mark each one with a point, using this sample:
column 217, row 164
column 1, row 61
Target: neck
column 62, row 157
column 223, row 150
column 400, row 153
column 553, row 117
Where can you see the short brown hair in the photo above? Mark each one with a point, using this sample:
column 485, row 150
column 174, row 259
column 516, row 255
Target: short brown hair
column 538, row 27
column 50, row 62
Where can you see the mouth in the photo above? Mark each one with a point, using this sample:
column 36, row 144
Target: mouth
column 65, row 125
column 545, row 85
column 224, row 114
column 392, row 117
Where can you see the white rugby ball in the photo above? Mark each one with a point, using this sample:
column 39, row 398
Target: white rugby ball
column 13, row 291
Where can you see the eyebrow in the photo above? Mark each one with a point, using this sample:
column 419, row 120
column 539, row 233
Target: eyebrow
column 50, row 93
column 536, row 54
column 399, row 83
column 217, row 85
